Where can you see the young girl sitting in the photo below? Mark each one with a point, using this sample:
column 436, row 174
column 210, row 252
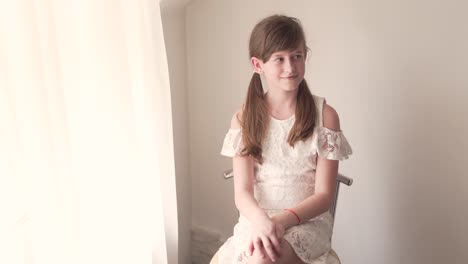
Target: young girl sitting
column 286, row 145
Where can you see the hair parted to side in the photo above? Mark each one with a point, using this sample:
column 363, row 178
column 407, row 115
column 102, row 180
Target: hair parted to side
column 272, row 34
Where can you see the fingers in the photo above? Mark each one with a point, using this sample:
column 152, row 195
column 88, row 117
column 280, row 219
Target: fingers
column 250, row 248
column 266, row 242
column 268, row 246
column 276, row 244
column 258, row 246
column 275, row 237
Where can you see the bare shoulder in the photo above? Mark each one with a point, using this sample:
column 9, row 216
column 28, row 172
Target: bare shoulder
column 236, row 119
column 331, row 119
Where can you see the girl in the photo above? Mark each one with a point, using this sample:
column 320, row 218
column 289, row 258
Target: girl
column 285, row 144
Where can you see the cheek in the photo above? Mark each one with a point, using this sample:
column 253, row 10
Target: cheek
column 301, row 68
column 274, row 72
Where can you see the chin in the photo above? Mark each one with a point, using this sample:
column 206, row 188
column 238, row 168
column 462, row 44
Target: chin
column 291, row 86
column 290, row 89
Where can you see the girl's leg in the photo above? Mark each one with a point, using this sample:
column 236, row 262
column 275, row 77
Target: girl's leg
column 287, row 256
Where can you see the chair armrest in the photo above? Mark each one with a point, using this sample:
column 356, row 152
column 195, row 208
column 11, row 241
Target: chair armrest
column 343, row 179
column 228, row 174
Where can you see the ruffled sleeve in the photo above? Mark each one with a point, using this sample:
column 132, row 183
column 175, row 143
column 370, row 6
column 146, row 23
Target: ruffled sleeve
column 332, row 145
column 232, row 143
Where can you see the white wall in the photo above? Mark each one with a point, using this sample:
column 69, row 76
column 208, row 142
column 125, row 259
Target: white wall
column 395, row 72
column 173, row 18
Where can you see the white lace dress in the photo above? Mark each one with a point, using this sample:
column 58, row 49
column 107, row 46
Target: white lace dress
column 286, row 178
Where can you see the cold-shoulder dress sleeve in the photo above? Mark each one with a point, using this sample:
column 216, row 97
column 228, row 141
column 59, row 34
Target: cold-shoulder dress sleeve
column 332, row 145
column 328, row 143
column 232, row 144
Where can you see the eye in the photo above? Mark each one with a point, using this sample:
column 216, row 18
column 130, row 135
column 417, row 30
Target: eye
column 279, row 59
column 297, row 56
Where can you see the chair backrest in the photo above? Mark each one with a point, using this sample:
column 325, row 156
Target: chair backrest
column 339, row 179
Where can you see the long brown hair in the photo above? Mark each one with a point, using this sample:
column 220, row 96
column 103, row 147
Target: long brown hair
column 272, row 34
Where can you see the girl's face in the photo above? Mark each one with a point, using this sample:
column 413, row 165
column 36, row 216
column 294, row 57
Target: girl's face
column 284, row 70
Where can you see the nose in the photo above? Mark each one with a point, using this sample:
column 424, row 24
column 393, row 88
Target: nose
column 289, row 66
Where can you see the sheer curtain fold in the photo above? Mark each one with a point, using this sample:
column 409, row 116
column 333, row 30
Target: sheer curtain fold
column 86, row 133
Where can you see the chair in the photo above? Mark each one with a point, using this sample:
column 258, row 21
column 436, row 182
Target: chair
column 332, row 257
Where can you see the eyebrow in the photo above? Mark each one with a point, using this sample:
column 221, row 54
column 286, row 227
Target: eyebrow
column 297, row 51
column 293, row 52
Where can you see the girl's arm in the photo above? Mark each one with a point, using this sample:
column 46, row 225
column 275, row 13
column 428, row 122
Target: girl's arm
column 325, row 182
column 243, row 190
column 266, row 233
column 243, row 169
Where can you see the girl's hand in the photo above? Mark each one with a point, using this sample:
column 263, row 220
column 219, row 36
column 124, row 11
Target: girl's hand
column 265, row 237
column 286, row 219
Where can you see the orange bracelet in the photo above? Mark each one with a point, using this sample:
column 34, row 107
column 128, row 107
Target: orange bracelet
column 294, row 213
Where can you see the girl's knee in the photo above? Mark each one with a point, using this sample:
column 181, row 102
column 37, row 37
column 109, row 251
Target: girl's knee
column 288, row 255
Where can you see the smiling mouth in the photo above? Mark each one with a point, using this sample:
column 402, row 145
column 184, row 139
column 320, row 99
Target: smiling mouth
column 290, row 77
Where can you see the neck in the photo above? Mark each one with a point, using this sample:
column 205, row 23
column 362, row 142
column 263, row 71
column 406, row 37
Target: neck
column 281, row 103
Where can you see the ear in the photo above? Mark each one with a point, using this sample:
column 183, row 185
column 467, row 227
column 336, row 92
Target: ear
column 257, row 65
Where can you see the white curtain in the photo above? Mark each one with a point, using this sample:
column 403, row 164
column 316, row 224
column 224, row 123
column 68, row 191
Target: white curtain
column 86, row 154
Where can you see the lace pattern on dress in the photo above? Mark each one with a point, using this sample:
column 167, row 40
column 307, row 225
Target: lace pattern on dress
column 310, row 241
column 311, row 244
column 232, row 143
column 332, row 145
column 287, row 177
